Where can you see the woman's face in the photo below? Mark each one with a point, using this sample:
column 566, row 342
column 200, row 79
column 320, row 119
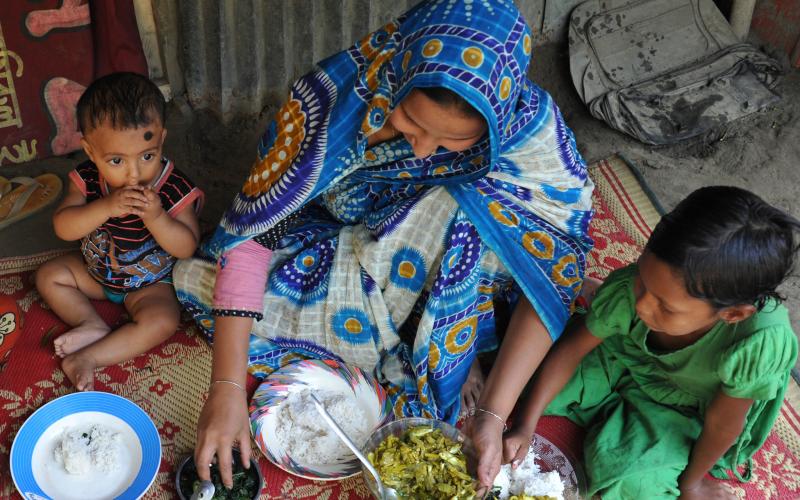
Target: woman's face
column 427, row 125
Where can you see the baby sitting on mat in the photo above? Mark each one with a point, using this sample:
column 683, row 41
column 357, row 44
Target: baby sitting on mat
column 134, row 213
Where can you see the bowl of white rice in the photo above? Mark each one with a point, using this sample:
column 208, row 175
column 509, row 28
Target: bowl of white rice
column 290, row 432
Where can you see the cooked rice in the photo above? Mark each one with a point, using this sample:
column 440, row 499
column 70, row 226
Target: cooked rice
column 308, row 438
column 81, row 450
column 528, row 479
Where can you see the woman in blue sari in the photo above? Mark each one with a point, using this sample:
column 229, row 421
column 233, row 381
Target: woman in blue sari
column 410, row 186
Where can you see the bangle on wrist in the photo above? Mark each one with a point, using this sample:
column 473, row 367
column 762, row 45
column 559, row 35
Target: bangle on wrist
column 495, row 415
column 231, row 382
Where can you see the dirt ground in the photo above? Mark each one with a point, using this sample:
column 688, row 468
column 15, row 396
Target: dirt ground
column 759, row 152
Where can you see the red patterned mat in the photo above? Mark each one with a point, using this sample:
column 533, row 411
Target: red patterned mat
column 170, row 382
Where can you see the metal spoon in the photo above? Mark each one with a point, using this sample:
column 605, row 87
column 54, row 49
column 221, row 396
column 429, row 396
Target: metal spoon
column 204, row 491
column 385, row 492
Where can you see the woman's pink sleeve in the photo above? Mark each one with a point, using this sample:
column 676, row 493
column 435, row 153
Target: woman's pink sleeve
column 241, row 280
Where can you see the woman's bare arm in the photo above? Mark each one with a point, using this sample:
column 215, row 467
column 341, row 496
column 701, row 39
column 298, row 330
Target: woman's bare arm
column 525, row 344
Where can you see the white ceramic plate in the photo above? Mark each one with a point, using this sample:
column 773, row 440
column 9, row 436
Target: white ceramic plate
column 327, row 375
column 36, row 473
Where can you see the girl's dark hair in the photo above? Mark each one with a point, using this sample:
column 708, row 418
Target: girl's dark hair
column 729, row 246
column 123, row 100
column 449, row 99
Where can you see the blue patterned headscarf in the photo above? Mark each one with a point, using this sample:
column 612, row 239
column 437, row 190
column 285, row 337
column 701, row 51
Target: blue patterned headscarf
column 524, row 185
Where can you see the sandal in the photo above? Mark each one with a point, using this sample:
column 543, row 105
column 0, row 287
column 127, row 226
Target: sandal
column 31, row 196
column 5, row 186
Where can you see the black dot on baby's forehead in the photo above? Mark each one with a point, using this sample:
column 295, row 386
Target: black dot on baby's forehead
column 148, row 135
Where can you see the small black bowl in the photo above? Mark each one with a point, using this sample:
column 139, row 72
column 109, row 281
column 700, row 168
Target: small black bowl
column 186, row 466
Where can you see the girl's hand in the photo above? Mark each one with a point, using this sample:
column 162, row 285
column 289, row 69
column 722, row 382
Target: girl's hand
column 516, row 444
column 153, row 210
column 223, row 421
column 127, row 200
column 486, row 433
column 706, row 489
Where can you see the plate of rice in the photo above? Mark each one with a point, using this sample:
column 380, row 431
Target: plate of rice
column 85, row 446
column 546, row 472
column 290, row 432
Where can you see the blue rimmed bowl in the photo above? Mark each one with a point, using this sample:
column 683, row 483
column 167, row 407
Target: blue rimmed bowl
column 319, row 375
column 36, row 474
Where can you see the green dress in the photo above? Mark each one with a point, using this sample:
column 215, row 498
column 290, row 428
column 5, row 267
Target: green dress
column 643, row 410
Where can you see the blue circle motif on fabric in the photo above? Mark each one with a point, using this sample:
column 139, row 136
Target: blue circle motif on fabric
column 377, row 115
column 352, row 325
column 461, row 336
column 305, row 277
column 461, row 258
column 377, row 112
column 378, row 38
column 408, row 269
column 566, row 272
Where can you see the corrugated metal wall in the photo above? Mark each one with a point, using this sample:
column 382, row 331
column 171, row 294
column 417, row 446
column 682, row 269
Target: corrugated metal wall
column 238, row 56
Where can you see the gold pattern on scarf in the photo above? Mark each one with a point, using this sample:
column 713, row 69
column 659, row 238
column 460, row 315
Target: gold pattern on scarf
column 291, row 126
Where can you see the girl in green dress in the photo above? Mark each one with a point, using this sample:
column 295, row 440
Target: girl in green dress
column 681, row 364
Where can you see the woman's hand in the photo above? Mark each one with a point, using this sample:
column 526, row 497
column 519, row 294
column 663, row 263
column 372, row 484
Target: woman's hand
column 706, row 489
column 516, row 444
column 223, row 421
column 486, row 433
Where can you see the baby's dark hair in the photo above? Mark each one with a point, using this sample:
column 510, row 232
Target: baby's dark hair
column 730, row 246
column 449, row 99
column 122, row 100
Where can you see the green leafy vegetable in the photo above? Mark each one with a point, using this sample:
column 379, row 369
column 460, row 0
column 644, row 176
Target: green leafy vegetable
column 245, row 482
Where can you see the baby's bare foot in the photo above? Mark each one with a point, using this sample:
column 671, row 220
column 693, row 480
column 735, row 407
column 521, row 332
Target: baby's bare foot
column 80, row 370
column 471, row 390
column 79, row 337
